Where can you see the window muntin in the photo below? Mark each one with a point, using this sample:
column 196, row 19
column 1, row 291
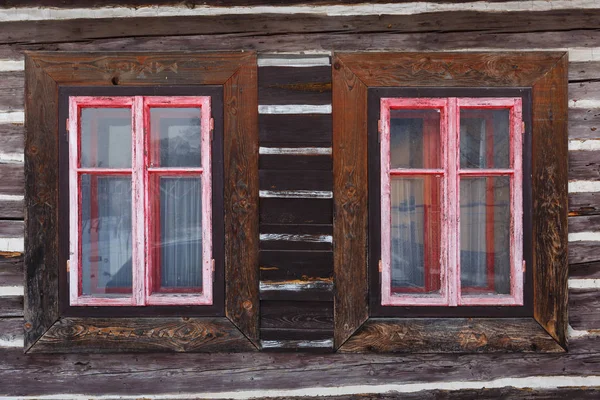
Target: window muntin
column 154, row 245
column 422, row 201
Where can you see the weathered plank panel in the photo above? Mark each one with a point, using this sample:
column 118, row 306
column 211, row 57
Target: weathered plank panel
column 11, row 209
column 584, row 165
column 312, row 294
column 296, row 211
column 295, row 180
column 584, row 123
column 295, row 130
column 583, row 252
column 583, row 309
column 12, row 90
column 11, row 228
column 13, row 179
column 295, row 334
column 584, row 223
column 11, row 138
column 450, row 335
column 293, row 265
column 295, row 237
column 282, row 85
column 584, row 204
column 11, row 270
column 590, row 270
column 584, row 90
column 11, row 306
column 296, row 315
column 582, row 71
column 295, row 162
column 11, row 331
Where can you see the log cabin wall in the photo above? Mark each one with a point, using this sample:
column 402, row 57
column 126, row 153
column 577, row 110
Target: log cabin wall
column 294, row 43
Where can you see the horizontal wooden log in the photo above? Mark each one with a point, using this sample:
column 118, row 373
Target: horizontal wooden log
column 584, row 90
column 12, row 90
column 583, row 309
column 11, row 270
column 13, row 179
column 295, row 180
column 296, row 315
column 295, row 130
column 583, row 252
column 314, row 294
column 12, row 228
column 295, row 265
column 590, row 270
column 584, row 71
column 11, row 209
column 296, row 334
column 584, row 344
column 584, row 223
column 11, row 334
column 450, row 335
column 285, row 85
column 296, row 237
column 12, row 137
column 142, row 335
column 295, row 162
column 11, row 306
column 584, row 123
column 584, row 204
column 584, row 165
column 296, row 211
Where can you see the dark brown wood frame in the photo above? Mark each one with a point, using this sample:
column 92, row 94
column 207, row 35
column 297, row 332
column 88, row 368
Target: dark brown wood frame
column 546, row 74
column 45, row 329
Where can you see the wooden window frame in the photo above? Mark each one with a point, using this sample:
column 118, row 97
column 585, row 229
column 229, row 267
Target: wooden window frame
column 140, row 171
column 450, row 172
column 545, row 74
column 47, row 328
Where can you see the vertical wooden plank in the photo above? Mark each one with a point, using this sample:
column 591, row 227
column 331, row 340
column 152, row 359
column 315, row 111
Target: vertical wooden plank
column 350, row 202
column 241, row 198
column 549, row 167
column 41, row 202
column 138, row 203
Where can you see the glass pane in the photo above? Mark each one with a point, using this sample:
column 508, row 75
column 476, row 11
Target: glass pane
column 105, row 138
column 105, row 235
column 175, row 137
column 415, row 234
column 415, row 139
column 176, row 243
column 485, row 235
column 484, row 138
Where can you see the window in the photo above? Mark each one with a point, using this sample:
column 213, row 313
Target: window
column 451, row 201
column 141, row 195
column 453, row 179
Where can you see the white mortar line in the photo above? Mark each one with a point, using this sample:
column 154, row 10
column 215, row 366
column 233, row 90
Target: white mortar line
column 295, row 287
column 17, row 342
column 295, row 109
column 301, row 344
column 584, row 103
column 296, row 237
column 585, row 145
column 11, row 197
column 584, row 237
column 584, row 186
column 12, row 158
column 293, row 151
column 296, row 194
column 6, row 291
column 12, row 244
column 11, row 65
column 584, row 283
column 296, row 62
column 12, row 117
column 527, row 382
column 413, row 8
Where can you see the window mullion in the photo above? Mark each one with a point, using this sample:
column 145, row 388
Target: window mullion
column 138, row 259
column 452, row 203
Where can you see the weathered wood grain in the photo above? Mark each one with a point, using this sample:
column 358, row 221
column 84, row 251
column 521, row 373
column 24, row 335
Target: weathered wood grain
column 11, row 329
column 584, row 165
column 12, row 90
column 588, row 270
column 11, row 228
column 450, row 335
column 295, row 162
column 584, row 123
column 295, row 130
column 11, row 138
column 11, row 270
column 584, row 223
column 350, row 201
column 584, row 204
column 13, row 179
column 291, row 265
column 583, row 71
column 11, row 306
column 584, row 252
column 587, row 344
column 296, row 334
column 11, row 209
column 584, row 90
column 322, row 293
column 296, row 315
column 296, row 237
column 97, row 335
column 296, row 211
column 550, row 199
column 283, row 85
column 583, row 309
column 295, row 180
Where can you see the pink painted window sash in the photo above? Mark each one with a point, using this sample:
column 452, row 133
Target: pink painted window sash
column 449, row 108
column 139, row 172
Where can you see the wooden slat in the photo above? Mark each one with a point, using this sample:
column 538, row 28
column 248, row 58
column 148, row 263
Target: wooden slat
column 584, row 204
column 584, row 252
column 587, row 344
column 589, row 270
column 143, row 335
column 296, row 211
column 292, row 265
column 584, row 223
column 319, row 294
column 582, row 71
column 11, row 306
column 11, row 270
column 13, row 179
column 295, row 334
column 283, row 85
column 11, row 228
column 12, row 90
column 295, row 180
column 584, row 165
column 295, row 130
column 584, row 124
column 450, row 335
column 11, row 209
column 11, row 138
column 584, row 90
column 583, row 309
column 296, row 315
column 295, row 237
column 295, row 162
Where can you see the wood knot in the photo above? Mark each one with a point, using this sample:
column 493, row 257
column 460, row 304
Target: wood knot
column 115, row 80
column 27, row 326
column 247, row 305
column 337, row 66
